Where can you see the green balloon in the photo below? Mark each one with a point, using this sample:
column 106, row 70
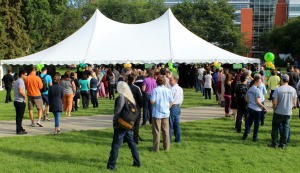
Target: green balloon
column 269, row 57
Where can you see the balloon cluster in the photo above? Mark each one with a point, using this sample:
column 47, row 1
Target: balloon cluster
column 170, row 65
column 217, row 64
column 269, row 58
column 82, row 67
column 39, row 67
column 127, row 65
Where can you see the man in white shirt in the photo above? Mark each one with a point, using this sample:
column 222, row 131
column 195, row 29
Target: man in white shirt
column 200, row 78
column 177, row 93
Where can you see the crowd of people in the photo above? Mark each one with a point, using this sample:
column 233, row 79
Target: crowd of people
column 243, row 96
column 157, row 98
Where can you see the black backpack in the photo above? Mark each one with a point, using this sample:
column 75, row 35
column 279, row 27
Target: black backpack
column 45, row 85
column 241, row 91
column 128, row 115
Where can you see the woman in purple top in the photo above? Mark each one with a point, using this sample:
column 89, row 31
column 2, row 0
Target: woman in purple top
column 149, row 84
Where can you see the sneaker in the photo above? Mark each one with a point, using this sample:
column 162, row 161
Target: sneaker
column 272, row 145
column 255, row 140
column 21, row 133
column 39, row 124
column 32, row 125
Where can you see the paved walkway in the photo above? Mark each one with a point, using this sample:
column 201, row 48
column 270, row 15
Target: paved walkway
column 7, row 128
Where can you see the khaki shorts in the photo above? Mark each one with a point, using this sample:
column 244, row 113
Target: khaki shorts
column 35, row 101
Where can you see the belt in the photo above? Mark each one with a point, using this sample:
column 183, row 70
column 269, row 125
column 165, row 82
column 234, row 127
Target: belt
column 174, row 105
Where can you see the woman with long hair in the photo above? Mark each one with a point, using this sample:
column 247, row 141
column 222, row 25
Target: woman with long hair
column 56, row 93
column 69, row 92
column 227, row 93
column 255, row 107
column 94, row 90
column 111, row 83
column 119, row 132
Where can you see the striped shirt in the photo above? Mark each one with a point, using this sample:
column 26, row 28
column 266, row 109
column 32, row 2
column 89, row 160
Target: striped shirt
column 162, row 97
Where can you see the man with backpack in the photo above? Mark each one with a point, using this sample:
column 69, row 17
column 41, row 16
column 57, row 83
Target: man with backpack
column 33, row 86
column 240, row 95
column 47, row 82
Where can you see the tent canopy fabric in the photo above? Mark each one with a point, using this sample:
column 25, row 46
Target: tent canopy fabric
column 104, row 41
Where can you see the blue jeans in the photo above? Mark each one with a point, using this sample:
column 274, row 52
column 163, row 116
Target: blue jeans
column 94, row 99
column 56, row 118
column 147, row 109
column 174, row 122
column 284, row 121
column 253, row 116
column 119, row 135
column 197, row 84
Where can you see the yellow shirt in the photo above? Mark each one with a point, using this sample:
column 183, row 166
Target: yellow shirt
column 274, row 82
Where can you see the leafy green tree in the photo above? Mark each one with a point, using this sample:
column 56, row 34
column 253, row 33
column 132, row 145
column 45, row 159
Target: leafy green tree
column 285, row 39
column 38, row 22
column 15, row 41
column 212, row 21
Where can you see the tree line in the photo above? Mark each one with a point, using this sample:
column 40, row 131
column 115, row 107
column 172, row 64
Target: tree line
column 28, row 26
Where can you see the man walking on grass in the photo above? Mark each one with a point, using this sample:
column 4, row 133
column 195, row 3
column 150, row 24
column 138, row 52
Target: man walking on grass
column 33, row 85
column 284, row 99
column 19, row 102
column 177, row 93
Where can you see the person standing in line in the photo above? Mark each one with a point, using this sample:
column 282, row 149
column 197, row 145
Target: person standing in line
column 69, row 92
column 254, row 108
column 8, row 83
column 273, row 83
column 149, row 84
column 200, row 78
column 76, row 97
column 84, row 91
column 33, row 85
column 208, row 83
column 19, row 102
column 240, row 96
column 284, row 99
column 45, row 98
column 162, row 100
column 175, row 111
column 111, row 83
column 138, row 97
column 227, row 93
column 263, row 92
column 56, row 94
column 121, row 134
column 94, row 90
column 215, row 84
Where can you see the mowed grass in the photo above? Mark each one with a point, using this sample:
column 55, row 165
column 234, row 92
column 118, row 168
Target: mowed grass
column 207, row 146
column 106, row 106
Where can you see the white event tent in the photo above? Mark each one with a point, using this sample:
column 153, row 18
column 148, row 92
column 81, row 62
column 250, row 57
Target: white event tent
column 104, row 41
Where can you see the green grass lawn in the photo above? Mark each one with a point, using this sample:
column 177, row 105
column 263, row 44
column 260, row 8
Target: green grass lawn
column 191, row 99
column 207, row 146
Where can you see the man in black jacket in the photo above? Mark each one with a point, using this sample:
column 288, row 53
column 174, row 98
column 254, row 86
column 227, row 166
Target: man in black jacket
column 138, row 97
column 8, row 81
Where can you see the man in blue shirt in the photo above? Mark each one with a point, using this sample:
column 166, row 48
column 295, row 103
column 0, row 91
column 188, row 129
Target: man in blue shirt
column 162, row 100
column 48, row 80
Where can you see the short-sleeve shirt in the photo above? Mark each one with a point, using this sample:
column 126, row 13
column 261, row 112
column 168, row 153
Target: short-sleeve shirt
column 253, row 93
column 263, row 92
column 48, row 80
column 84, row 85
column 19, row 84
column 150, row 84
column 207, row 83
column 162, row 96
column 285, row 95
